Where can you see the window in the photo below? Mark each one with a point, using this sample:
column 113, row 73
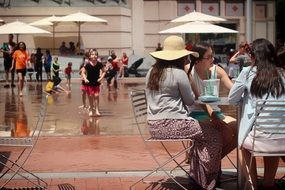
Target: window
column 234, row 8
column 260, row 11
column 185, row 7
column 211, row 7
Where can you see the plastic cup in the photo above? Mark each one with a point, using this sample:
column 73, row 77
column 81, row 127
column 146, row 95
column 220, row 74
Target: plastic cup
column 211, row 87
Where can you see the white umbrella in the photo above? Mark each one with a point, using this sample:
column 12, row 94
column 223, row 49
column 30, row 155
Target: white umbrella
column 18, row 27
column 41, row 22
column 198, row 16
column 81, row 18
column 197, row 27
column 49, row 21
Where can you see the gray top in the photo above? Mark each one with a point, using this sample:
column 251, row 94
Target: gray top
column 240, row 92
column 169, row 102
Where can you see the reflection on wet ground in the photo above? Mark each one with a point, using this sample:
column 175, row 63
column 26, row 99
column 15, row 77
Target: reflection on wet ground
column 15, row 112
column 64, row 117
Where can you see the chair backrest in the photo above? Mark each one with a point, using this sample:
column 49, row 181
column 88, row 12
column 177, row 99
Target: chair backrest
column 139, row 104
column 270, row 117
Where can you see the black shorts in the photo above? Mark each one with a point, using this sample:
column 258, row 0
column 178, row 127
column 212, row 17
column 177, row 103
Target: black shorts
column 56, row 80
column 47, row 69
column 23, row 71
column 8, row 65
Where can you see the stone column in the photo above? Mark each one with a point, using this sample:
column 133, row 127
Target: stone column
column 249, row 21
column 138, row 27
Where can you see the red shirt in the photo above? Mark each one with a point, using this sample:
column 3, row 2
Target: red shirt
column 125, row 60
column 68, row 70
column 115, row 64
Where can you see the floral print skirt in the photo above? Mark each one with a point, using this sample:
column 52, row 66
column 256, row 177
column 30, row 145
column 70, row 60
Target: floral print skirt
column 205, row 156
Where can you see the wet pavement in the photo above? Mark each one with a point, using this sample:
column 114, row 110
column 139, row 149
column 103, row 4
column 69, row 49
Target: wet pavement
column 76, row 151
column 64, row 117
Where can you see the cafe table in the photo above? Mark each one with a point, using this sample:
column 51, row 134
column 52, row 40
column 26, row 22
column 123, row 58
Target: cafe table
column 223, row 101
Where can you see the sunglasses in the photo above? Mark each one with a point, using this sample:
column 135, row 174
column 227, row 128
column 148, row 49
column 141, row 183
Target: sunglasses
column 209, row 57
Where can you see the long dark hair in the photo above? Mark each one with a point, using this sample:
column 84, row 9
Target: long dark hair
column 268, row 78
column 18, row 46
column 157, row 73
column 201, row 48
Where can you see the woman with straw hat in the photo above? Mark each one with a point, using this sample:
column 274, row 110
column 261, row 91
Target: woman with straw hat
column 168, row 93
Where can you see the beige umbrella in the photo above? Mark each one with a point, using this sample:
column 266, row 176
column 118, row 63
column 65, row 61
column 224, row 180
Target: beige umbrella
column 49, row 21
column 198, row 16
column 41, row 22
column 197, row 27
column 80, row 18
column 18, row 27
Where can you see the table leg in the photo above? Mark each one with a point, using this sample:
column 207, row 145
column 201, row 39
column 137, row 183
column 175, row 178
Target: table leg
column 241, row 177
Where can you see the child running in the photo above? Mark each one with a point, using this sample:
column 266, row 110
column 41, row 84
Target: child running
column 67, row 72
column 92, row 78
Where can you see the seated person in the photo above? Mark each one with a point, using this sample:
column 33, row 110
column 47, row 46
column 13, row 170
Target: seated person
column 124, row 64
column 168, row 92
column 264, row 79
column 63, row 50
column 239, row 60
column 203, row 68
column 158, row 48
column 71, row 48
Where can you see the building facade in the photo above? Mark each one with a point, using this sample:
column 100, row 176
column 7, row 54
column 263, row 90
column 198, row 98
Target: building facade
column 134, row 25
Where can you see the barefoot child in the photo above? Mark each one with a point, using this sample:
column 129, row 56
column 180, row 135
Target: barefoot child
column 92, row 78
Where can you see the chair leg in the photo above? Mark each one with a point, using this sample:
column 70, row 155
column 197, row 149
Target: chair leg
column 233, row 164
column 179, row 165
column 16, row 172
column 171, row 156
column 249, row 181
column 232, row 176
column 160, row 167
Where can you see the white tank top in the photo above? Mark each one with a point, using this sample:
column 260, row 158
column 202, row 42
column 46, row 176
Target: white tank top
column 199, row 84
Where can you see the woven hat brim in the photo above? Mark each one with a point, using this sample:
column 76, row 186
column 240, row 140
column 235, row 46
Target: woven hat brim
column 170, row 55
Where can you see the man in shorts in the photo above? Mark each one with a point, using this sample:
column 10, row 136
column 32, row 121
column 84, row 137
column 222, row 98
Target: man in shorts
column 8, row 49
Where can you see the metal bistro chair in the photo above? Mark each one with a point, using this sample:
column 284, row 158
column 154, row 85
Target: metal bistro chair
column 269, row 117
column 139, row 104
column 15, row 166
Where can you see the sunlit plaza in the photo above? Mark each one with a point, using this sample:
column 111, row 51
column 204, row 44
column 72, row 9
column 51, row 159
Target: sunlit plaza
column 74, row 150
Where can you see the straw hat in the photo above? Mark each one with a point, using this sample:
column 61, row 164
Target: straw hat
column 174, row 48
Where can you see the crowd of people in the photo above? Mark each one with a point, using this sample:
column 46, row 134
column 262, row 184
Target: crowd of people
column 173, row 83
column 17, row 59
